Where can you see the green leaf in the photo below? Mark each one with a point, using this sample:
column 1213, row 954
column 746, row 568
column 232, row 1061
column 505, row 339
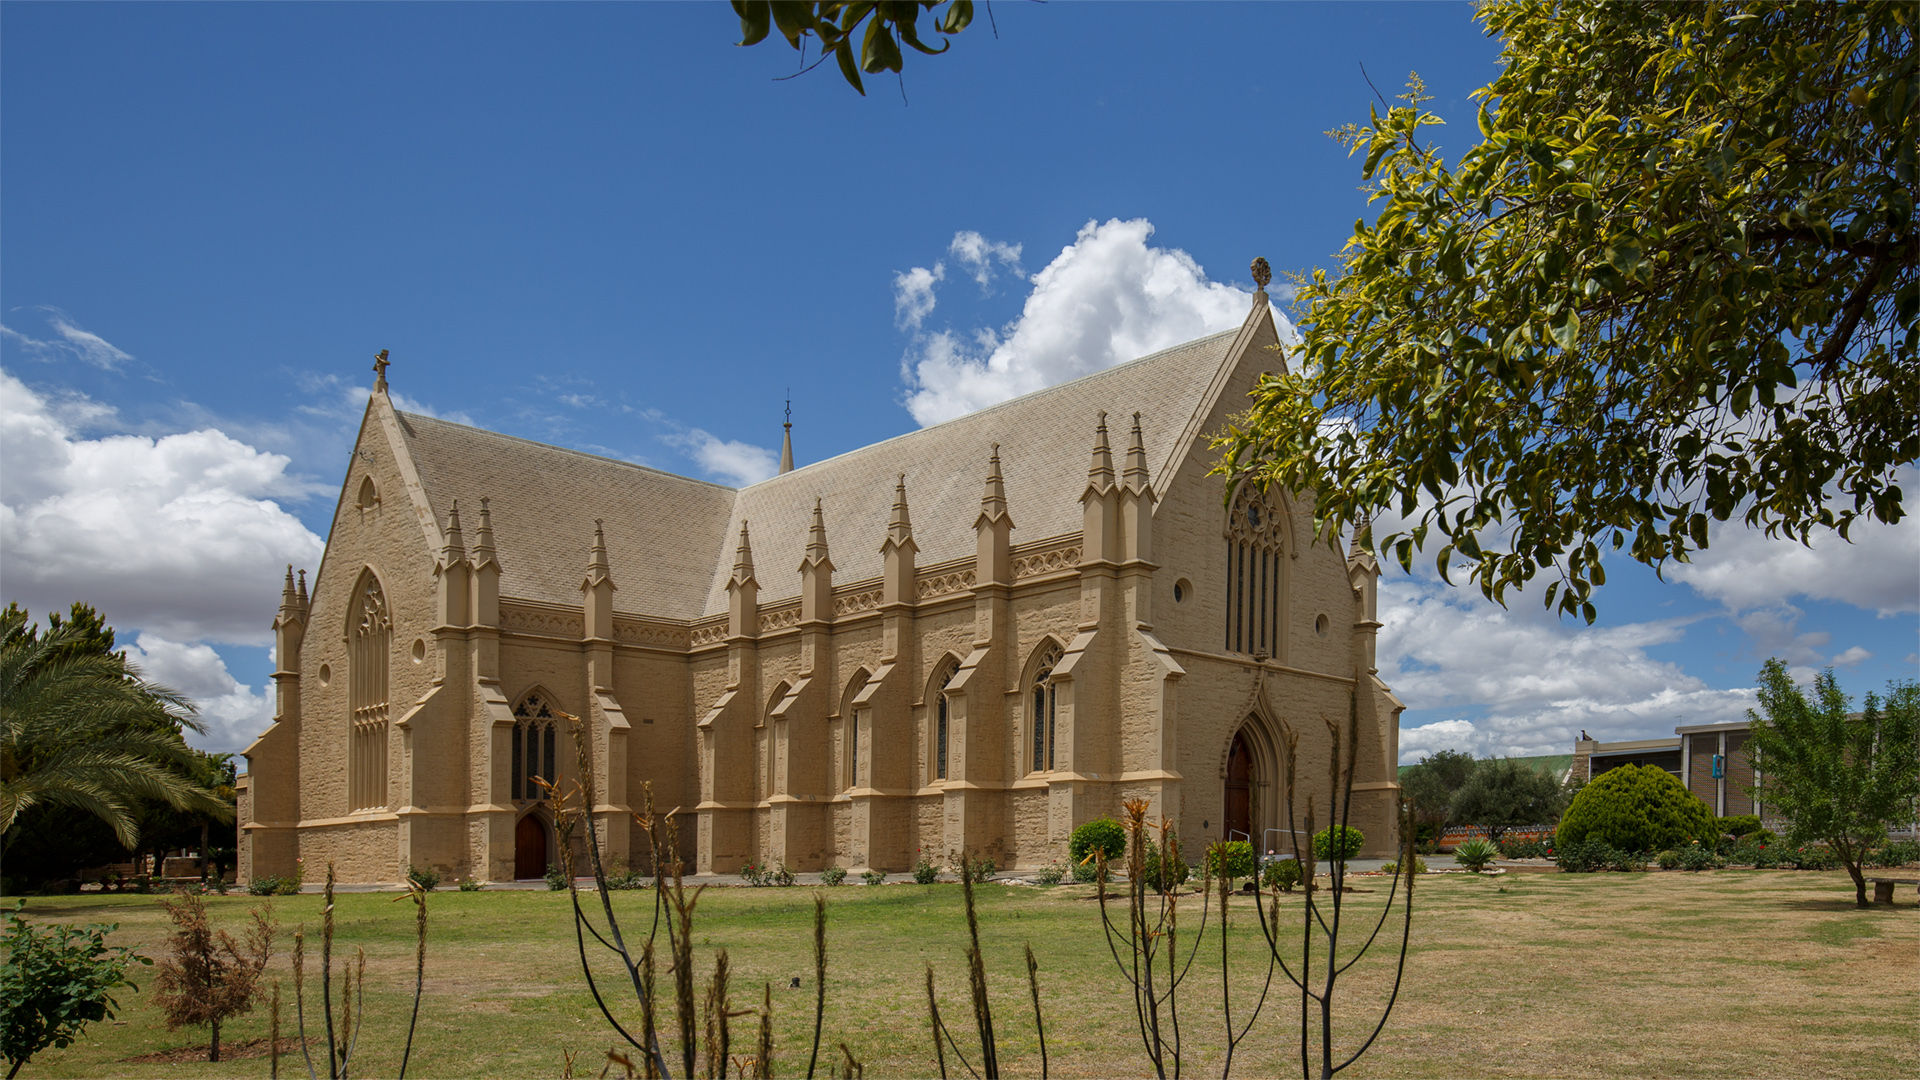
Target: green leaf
column 754, row 16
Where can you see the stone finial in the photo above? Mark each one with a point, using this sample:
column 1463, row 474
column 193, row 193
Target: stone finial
column 455, row 547
column 1262, row 273
column 1136, row 473
column 1100, row 472
column 786, row 443
column 817, row 534
column 743, row 555
column 289, row 600
column 899, row 525
column 993, row 502
column 483, row 552
column 303, row 590
column 380, row 363
column 598, row 568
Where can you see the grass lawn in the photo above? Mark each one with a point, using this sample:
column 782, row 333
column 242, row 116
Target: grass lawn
column 1727, row 973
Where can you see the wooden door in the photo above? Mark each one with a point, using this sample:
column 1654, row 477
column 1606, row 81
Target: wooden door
column 1239, row 815
column 530, row 848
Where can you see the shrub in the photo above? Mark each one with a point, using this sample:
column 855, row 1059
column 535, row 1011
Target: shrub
column 1737, row 825
column 981, row 869
column 58, row 978
column 555, row 879
column 1540, row 847
column 754, row 873
column 1626, row 861
column 833, row 875
column 626, row 878
column 1585, row 856
column 1282, row 874
column 924, row 870
column 874, row 877
column 1177, row 870
column 1476, row 854
column 1419, row 866
column 1668, row 859
column 265, row 886
column 469, row 884
column 1895, row 853
column 1104, row 835
column 1090, row 870
column 1351, row 841
column 1051, row 873
column 1230, row 859
column 1810, row 857
column 423, row 876
column 1695, row 858
column 1636, row 808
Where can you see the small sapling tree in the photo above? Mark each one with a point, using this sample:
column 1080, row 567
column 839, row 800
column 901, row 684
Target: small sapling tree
column 207, row 976
column 57, row 979
column 1836, row 776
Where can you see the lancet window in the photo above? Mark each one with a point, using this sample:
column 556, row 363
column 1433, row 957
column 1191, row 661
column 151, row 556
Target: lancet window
column 1256, row 574
column 940, row 723
column 1043, row 705
column 534, row 741
column 852, row 716
column 369, row 643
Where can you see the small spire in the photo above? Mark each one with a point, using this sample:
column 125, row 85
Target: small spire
column 993, row 501
column 455, row 548
column 1100, row 472
column 1353, row 546
column 1136, row 474
column 303, row 589
column 817, row 535
column 288, row 598
column 743, row 555
column 786, row 445
column 483, row 536
column 899, row 520
column 380, row 363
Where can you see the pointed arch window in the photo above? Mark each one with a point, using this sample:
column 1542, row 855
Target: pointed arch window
column 1043, row 707
column 370, row 644
column 940, row 722
column 534, row 741
column 853, row 716
column 1256, row 573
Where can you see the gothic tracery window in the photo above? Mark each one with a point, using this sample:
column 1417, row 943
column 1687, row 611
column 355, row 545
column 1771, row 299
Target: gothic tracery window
column 1256, row 604
column 1043, row 700
column 369, row 642
column 940, row 731
column 534, row 742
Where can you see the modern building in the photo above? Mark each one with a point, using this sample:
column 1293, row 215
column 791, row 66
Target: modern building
column 1710, row 759
column 973, row 637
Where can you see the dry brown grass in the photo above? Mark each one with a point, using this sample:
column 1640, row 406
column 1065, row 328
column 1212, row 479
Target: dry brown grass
column 1733, row 973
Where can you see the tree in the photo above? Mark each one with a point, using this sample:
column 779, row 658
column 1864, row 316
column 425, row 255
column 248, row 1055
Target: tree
column 1675, row 281
column 835, row 25
column 1635, row 808
column 1506, row 794
column 58, row 978
column 80, row 728
column 207, row 976
column 1836, row 776
column 1430, row 786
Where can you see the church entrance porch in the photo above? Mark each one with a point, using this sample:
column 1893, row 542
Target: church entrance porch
column 529, row 848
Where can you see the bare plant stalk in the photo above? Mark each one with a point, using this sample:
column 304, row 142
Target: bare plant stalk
column 273, row 1035
column 819, row 976
column 933, row 1013
column 720, row 973
column 299, row 993
column 326, row 971
column 359, row 1006
column 763, row 1050
column 420, row 972
column 647, row 1000
column 346, row 1019
column 1039, row 1022
column 854, row 1070
column 977, row 975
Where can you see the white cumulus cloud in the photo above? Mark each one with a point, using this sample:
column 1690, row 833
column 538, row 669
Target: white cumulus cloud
column 735, row 462
column 180, row 536
column 233, row 712
column 913, row 298
column 1108, row 297
column 1530, row 681
column 979, row 254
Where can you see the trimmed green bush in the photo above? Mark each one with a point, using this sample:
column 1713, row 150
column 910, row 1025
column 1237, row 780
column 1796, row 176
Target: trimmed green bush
column 1419, row 866
column 833, row 875
column 1737, row 825
column 1177, row 870
column 1238, row 863
column 1636, row 808
column 1282, row 874
column 1351, row 841
column 1105, row 835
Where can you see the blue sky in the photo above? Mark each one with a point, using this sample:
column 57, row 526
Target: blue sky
column 606, row 226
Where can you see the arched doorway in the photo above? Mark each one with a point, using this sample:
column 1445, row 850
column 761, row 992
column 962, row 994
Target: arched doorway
column 1239, row 809
column 530, row 848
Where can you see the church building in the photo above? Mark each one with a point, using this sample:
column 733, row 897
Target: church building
column 973, row 637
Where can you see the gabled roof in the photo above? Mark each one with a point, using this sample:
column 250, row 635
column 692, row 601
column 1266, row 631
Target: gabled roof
column 662, row 530
column 1046, row 440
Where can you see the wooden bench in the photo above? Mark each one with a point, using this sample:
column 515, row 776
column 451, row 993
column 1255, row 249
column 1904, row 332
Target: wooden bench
column 1883, row 887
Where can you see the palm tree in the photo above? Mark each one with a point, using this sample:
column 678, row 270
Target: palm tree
column 81, row 728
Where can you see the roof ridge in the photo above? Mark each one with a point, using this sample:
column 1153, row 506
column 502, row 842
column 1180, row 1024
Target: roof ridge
column 562, row 449
column 1028, row 396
